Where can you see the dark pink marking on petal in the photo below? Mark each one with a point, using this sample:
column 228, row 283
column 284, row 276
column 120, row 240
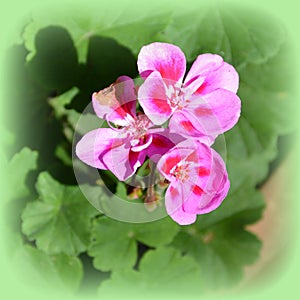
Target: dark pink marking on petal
column 153, row 98
column 203, row 111
column 136, row 159
column 126, row 94
column 120, row 111
column 201, row 88
column 197, row 190
column 193, row 157
column 161, row 106
column 170, row 162
column 173, row 191
column 116, row 102
column 187, row 125
column 203, row 172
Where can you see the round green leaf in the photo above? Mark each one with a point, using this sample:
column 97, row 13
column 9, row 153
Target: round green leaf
column 60, row 220
column 114, row 243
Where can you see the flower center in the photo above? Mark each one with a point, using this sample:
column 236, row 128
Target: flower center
column 137, row 130
column 181, row 171
column 176, row 96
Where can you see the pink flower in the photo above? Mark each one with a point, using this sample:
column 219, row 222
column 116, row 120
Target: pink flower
column 203, row 105
column 198, row 180
column 123, row 148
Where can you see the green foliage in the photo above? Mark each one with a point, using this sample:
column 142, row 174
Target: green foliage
column 125, row 24
column 268, row 111
column 230, row 31
column 222, row 252
column 60, row 220
column 160, row 271
column 60, row 102
column 92, row 48
column 17, row 170
column 114, row 243
column 45, row 271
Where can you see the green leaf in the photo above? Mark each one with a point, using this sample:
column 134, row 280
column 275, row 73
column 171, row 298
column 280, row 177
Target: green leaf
column 248, row 157
column 114, row 243
column 121, row 190
column 16, row 172
column 59, row 103
column 82, row 123
column 127, row 24
column 63, row 155
column 221, row 252
column 60, row 272
column 239, row 205
column 161, row 271
column 140, row 31
column 218, row 240
column 268, row 94
column 240, row 35
column 60, row 220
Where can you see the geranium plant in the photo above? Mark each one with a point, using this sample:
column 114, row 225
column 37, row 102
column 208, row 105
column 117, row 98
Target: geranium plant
column 137, row 144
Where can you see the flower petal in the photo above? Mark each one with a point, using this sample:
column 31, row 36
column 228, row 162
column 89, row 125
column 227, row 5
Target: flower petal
column 126, row 94
column 163, row 140
column 218, row 74
column 183, row 151
column 210, row 188
column 117, row 103
column 136, row 159
column 225, row 77
column 165, row 58
column 107, row 149
column 142, row 145
column 216, row 200
column 121, row 161
column 173, row 203
column 93, row 144
column 185, row 123
column 193, row 85
column 216, row 112
column 168, row 162
column 203, row 65
column 153, row 99
column 207, row 116
column 217, row 185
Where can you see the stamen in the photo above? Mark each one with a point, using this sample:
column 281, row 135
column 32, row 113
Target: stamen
column 137, row 129
column 176, row 96
column 181, row 171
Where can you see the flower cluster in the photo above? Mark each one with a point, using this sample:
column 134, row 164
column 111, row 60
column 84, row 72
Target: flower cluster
column 178, row 120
